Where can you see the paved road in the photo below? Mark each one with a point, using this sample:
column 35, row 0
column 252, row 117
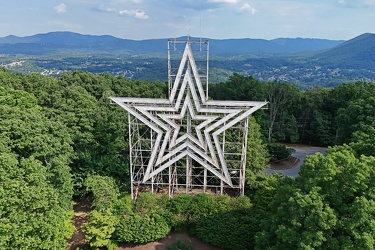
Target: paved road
column 300, row 153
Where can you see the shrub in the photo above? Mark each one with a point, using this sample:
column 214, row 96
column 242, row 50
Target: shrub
column 100, row 228
column 68, row 224
column 181, row 204
column 141, row 229
column 123, row 205
column 147, row 202
column 202, row 205
column 103, row 189
column 232, row 230
column 279, row 152
column 181, row 245
column 217, row 219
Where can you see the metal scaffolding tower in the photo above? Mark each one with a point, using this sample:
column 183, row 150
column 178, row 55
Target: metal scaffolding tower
column 187, row 143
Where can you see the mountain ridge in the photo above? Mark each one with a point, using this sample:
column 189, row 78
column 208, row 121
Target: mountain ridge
column 69, row 40
column 305, row 62
column 355, row 51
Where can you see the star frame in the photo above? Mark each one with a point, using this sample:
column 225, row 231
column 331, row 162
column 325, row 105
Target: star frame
column 187, row 142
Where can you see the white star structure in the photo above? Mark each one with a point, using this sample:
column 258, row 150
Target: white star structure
column 187, row 108
column 178, row 147
column 214, row 117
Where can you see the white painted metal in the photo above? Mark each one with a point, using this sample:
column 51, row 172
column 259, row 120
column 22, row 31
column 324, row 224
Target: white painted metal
column 177, row 144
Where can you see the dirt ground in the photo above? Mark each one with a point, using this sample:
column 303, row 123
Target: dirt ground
column 81, row 210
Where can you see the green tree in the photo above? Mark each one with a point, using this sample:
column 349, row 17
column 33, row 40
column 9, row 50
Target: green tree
column 281, row 123
column 302, row 221
column 109, row 156
column 257, row 155
column 141, row 229
column 340, row 97
column 35, row 179
column 104, row 191
column 77, row 109
column 315, row 120
column 363, row 140
column 240, row 88
column 329, row 206
column 98, row 231
column 27, row 132
column 358, row 115
column 229, row 230
column 31, row 216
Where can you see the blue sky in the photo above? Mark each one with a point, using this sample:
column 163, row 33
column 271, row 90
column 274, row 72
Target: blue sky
column 147, row 19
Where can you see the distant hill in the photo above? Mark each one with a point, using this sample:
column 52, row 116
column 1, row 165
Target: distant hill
column 57, row 41
column 68, row 41
column 358, row 52
column 305, row 44
column 301, row 61
column 61, row 38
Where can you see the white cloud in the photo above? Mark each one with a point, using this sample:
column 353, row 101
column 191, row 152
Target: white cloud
column 135, row 13
column 201, row 4
column 104, row 9
column 246, row 7
column 224, row 1
column 356, row 3
column 61, row 8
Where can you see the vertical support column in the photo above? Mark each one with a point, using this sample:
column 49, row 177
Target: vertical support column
column 187, row 175
column 175, row 179
column 223, row 150
column 244, row 152
column 170, row 81
column 152, row 184
column 169, row 181
column 164, row 111
column 153, row 178
column 188, row 130
column 130, row 156
column 207, row 57
column 205, row 180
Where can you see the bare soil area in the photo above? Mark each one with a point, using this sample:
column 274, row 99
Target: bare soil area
column 81, row 209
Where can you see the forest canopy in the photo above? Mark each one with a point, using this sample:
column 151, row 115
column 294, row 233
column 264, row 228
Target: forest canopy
column 62, row 139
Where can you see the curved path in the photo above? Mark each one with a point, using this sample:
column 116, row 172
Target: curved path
column 300, row 153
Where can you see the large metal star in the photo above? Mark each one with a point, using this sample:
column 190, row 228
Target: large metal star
column 188, row 103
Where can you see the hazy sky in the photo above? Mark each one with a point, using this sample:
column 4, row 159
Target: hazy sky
column 146, row 19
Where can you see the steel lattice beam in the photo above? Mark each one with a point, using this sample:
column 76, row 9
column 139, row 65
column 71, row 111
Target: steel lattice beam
column 187, row 133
